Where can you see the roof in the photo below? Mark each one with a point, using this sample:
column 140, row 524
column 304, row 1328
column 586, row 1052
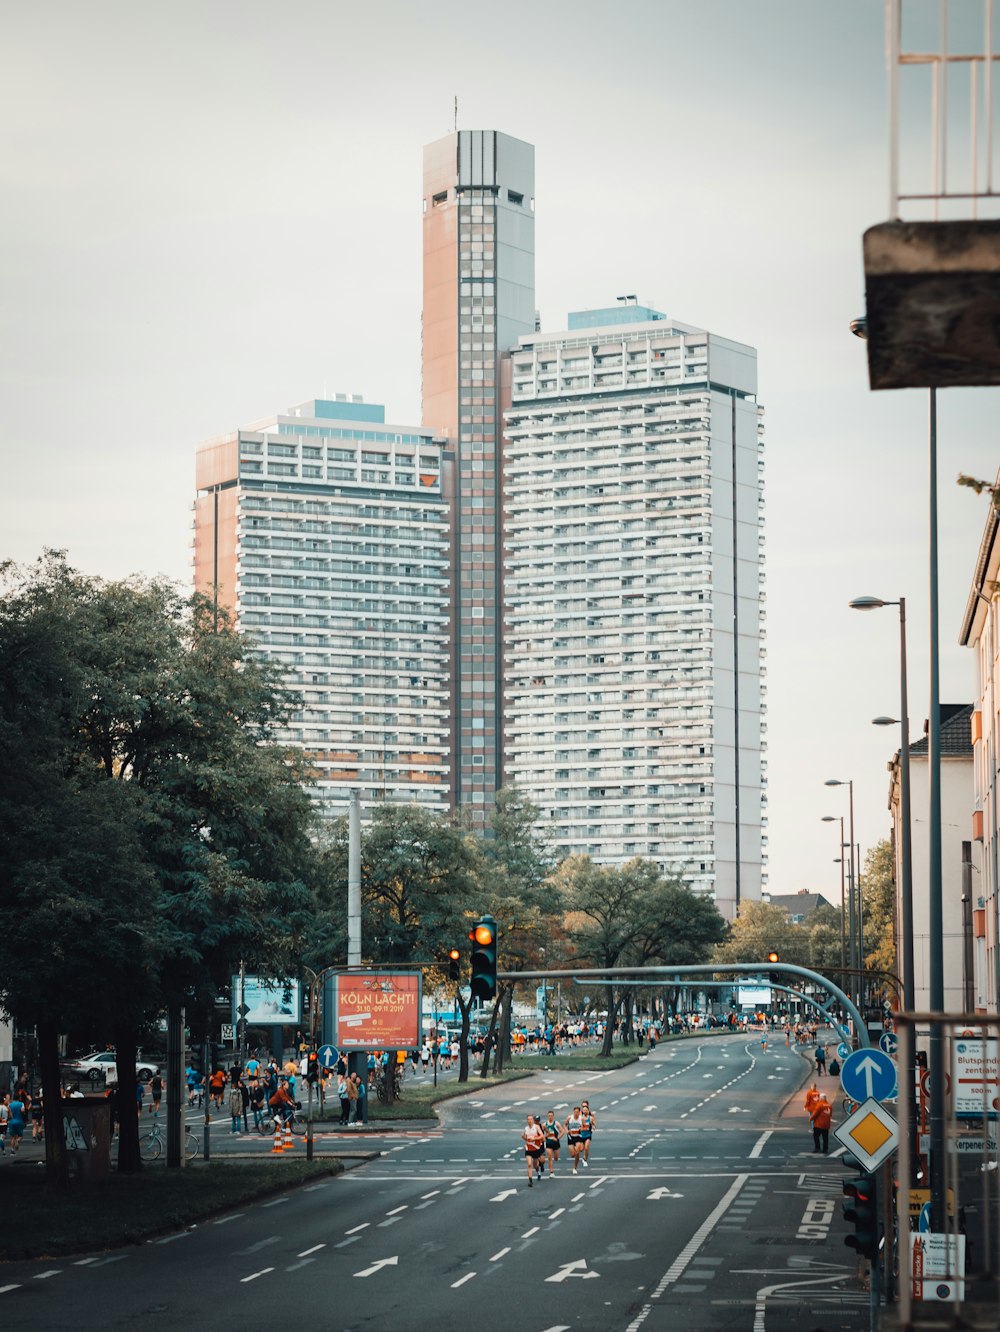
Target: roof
column 802, row 903
column 956, row 732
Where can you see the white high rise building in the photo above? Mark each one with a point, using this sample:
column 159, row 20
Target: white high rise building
column 634, row 595
column 325, row 531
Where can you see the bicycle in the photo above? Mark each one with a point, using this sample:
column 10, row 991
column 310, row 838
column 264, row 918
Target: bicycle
column 151, row 1144
column 381, row 1090
column 299, row 1123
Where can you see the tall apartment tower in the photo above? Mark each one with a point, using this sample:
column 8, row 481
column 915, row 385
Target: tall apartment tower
column 634, row 595
column 325, row 532
column 478, row 299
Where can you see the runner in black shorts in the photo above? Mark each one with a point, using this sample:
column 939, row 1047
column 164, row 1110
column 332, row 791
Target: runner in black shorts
column 587, row 1132
column 534, row 1146
column 574, row 1125
column 553, row 1132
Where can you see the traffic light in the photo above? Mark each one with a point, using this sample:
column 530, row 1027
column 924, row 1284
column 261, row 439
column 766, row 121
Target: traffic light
column 773, row 957
column 861, row 1209
column 454, row 957
column 484, row 958
column 312, row 1068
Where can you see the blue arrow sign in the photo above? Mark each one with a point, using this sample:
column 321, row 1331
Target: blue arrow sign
column 328, row 1055
column 924, row 1220
column 843, row 1050
column 868, row 1074
column 888, row 1042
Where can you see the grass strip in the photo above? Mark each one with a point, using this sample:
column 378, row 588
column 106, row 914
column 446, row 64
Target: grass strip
column 126, row 1209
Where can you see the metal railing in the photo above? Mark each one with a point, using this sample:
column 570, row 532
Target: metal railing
column 960, row 142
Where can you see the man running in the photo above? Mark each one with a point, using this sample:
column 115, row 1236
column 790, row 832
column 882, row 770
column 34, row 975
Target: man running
column 552, row 1130
column 573, row 1126
column 534, row 1146
column 586, row 1132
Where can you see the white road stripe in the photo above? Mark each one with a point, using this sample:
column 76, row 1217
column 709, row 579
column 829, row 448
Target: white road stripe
column 5, row 1289
column 254, row 1275
column 497, row 1256
column 462, row 1280
column 756, row 1149
column 528, row 1233
column 306, row 1252
column 364, row 1226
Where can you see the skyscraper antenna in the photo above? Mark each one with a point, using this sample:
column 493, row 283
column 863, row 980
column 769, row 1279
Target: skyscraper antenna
column 456, row 113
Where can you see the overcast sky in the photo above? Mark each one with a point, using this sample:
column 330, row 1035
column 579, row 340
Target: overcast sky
column 212, row 210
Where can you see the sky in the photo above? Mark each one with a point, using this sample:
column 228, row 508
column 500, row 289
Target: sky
column 210, row 212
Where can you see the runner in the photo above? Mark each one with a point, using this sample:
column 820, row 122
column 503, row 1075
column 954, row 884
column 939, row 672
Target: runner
column 534, row 1146
column 573, row 1126
column 587, row 1132
column 552, row 1130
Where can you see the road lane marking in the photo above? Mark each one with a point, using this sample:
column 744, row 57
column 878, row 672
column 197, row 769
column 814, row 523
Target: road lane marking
column 528, row 1233
column 378, row 1265
column 5, row 1289
column 433, row 1193
column 306, row 1252
column 462, row 1280
column 43, row 1276
column 82, row 1262
column 755, row 1151
column 254, row 1275
column 578, row 1197
column 274, row 1202
column 397, row 1209
column 497, row 1256
column 364, row 1226
column 224, row 1220
column 558, row 1212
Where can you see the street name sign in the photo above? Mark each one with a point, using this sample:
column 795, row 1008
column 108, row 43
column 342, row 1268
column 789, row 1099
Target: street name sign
column 870, row 1134
column 868, row 1075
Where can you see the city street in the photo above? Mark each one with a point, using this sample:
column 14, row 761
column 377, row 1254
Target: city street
column 703, row 1207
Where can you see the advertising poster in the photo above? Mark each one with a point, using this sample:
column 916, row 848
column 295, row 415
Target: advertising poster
column 377, row 1010
column 975, row 1075
column 269, row 1004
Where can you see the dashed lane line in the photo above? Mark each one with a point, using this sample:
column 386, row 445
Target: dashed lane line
column 254, row 1275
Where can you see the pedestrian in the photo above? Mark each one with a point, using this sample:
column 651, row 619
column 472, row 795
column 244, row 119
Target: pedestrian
column 820, row 1059
column 156, row 1094
column 352, row 1098
column 345, row 1100
column 652, row 1039
column 37, row 1119
column 589, row 1122
column 258, row 1095
column 573, row 1125
column 552, row 1131
column 534, row 1147
column 15, row 1121
column 425, row 1055
column 193, row 1084
column 812, row 1096
column 359, row 1106
column 236, row 1106
column 821, row 1118
column 140, row 1091
column 4, row 1121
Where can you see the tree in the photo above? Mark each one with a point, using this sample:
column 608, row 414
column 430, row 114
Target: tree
column 759, row 928
column 878, row 904
column 127, row 698
column 517, row 851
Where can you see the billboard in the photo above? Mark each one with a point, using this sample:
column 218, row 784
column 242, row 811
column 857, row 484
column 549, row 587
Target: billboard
column 375, row 1010
column 754, row 996
column 268, row 1004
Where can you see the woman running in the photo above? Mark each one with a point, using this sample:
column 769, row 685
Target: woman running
column 534, row 1146
column 587, row 1132
column 573, row 1126
column 552, row 1130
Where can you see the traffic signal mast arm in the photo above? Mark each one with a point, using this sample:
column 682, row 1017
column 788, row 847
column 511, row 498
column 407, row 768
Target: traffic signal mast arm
column 704, row 969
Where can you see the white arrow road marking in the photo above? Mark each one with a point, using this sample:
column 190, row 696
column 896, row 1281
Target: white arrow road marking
column 663, row 1193
column 765, row 1291
column 507, row 1193
column 646, row 1109
column 570, row 1270
column 462, row 1280
column 738, row 1110
column 377, row 1267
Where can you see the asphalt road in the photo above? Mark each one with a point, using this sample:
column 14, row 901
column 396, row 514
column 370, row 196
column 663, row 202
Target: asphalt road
column 703, row 1208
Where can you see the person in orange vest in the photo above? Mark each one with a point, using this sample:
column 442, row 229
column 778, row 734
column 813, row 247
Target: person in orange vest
column 812, row 1096
column 821, row 1117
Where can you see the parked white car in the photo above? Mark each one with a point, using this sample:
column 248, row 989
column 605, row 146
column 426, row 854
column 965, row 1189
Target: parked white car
column 101, row 1066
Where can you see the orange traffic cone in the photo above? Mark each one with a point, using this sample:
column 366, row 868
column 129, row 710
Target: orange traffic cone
column 276, row 1146
column 289, row 1142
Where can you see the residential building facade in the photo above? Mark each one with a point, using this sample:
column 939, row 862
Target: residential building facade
column 634, row 706
column 963, row 978
column 478, row 298
column 981, row 632
column 325, row 532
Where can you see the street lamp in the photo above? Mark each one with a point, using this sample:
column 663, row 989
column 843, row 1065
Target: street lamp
column 852, row 882
column 832, row 818
column 906, row 845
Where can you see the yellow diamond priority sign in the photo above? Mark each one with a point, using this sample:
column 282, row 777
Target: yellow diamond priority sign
column 870, row 1134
